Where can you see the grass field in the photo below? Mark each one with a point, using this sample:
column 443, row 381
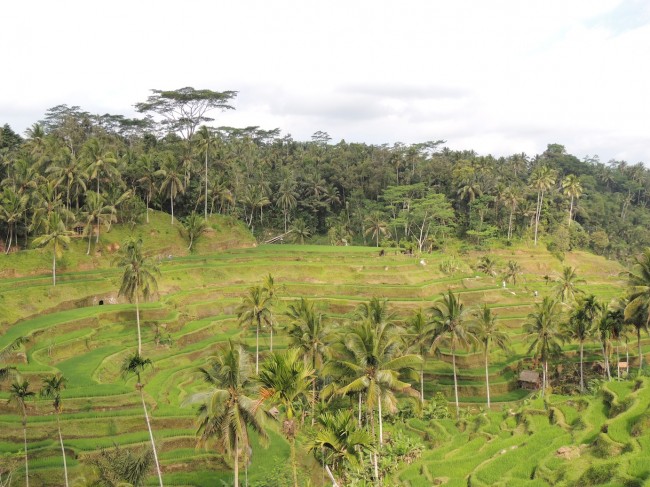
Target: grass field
column 516, row 443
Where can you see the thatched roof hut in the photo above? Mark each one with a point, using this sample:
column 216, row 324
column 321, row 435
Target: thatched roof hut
column 529, row 379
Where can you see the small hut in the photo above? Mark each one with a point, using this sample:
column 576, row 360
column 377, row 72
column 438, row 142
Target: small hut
column 529, row 379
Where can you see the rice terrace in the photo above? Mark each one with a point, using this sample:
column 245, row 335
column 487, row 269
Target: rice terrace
column 81, row 329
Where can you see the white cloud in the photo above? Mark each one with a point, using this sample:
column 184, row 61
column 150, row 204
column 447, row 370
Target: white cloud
column 498, row 77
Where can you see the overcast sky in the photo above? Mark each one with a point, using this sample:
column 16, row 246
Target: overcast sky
column 497, row 77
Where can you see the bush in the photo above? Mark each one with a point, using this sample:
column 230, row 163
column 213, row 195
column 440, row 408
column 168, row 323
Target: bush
column 598, row 474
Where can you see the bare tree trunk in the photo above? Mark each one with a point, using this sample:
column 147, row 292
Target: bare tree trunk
column 236, row 482
column 137, row 321
column 453, row 359
column 582, row 376
column 487, row 378
column 153, row 444
column 257, row 347
column 381, row 422
column 54, row 267
column 65, row 464
column 422, row 384
column 331, row 476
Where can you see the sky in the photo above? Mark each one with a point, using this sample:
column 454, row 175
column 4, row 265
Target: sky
column 494, row 76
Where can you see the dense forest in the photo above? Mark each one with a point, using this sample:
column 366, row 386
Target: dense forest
column 94, row 170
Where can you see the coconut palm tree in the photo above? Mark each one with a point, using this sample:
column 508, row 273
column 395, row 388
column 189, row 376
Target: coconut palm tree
column 147, row 178
column 12, row 208
column 55, row 235
column 287, row 198
column 448, row 314
column 573, row 189
column 19, row 393
column 512, row 271
column 420, row 333
column 96, row 212
column 255, row 307
column 206, row 140
column 487, row 332
column 375, row 226
column 542, row 180
column 271, row 290
column 193, row 226
column 172, row 179
column 5, row 352
column 309, row 333
column 99, row 160
column 565, row 288
column 580, row 328
column 637, row 310
column 286, row 381
column 139, row 275
column 228, row 410
column 134, row 365
column 300, row 230
column 543, row 331
column 368, row 359
column 52, row 387
column 337, row 441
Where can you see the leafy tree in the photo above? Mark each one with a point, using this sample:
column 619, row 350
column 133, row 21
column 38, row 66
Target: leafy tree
column 286, row 381
column 487, row 332
column 139, row 275
column 134, row 365
column 52, row 387
column 19, row 393
column 451, row 329
column 543, row 331
column 228, row 410
column 56, row 236
column 255, row 307
column 184, row 109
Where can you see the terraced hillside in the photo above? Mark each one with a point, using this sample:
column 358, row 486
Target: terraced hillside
column 81, row 329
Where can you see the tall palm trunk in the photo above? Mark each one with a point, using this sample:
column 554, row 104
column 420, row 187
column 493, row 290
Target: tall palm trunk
column 487, row 377
column 257, row 345
column 422, row 384
column 582, row 376
column 172, row 210
column 205, row 207
column 236, row 482
column 571, row 210
column 638, row 339
column 153, row 444
column 137, row 321
column 65, row 464
column 453, row 360
column 25, row 438
column 544, row 371
column 381, row 423
column 512, row 211
column 54, row 266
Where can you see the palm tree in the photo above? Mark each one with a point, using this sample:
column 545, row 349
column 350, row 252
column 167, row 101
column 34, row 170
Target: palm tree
column 206, row 140
column 368, row 359
column 193, row 227
column 511, row 272
column 101, row 162
column 542, row 329
column 227, row 409
column 338, row 440
column 95, row 213
column 271, row 290
column 512, row 199
column 486, row 331
column 420, row 333
column 573, row 189
column 487, row 265
column 637, row 310
column 542, row 180
column 147, row 179
column 375, row 226
column 13, row 206
column 19, row 394
column 138, row 277
column 52, row 387
column 580, row 328
column 300, row 230
column 255, row 307
column 286, row 381
column 309, row 333
column 565, row 288
column 5, row 352
column 172, row 182
column 134, row 365
column 448, row 314
column 287, row 198
column 57, row 236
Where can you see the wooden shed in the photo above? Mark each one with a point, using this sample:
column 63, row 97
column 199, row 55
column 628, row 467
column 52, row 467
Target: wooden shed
column 529, row 379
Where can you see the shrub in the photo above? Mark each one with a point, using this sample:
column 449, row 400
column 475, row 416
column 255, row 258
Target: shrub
column 598, row 474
